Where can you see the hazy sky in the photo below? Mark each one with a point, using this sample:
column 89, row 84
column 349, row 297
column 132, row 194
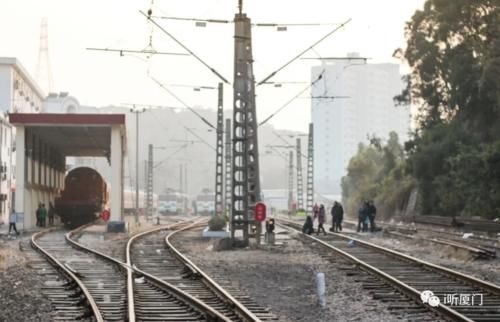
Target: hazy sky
column 98, row 78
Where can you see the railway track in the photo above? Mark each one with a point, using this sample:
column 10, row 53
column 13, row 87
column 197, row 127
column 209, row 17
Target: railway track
column 401, row 279
column 479, row 250
column 81, row 302
column 153, row 252
column 153, row 285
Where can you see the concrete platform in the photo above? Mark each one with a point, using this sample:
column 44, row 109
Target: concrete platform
column 216, row 234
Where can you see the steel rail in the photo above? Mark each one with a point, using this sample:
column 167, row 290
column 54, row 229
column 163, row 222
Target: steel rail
column 240, row 309
column 92, row 303
column 441, row 309
column 211, row 313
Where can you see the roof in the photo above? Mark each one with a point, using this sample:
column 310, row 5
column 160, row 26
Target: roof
column 22, row 71
column 73, row 134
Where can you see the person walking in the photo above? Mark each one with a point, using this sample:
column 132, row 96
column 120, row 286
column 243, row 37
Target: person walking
column 37, row 213
column 337, row 213
column 52, row 212
column 43, row 215
column 372, row 212
column 308, row 227
column 321, row 219
column 315, row 210
column 12, row 221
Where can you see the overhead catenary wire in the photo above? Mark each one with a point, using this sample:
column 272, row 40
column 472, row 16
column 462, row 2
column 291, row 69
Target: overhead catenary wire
column 143, row 51
column 183, row 103
column 303, row 52
column 200, row 138
column 292, row 99
column 186, row 48
column 171, row 155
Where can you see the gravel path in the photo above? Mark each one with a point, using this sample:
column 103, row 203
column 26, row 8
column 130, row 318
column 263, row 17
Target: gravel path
column 283, row 279
column 21, row 298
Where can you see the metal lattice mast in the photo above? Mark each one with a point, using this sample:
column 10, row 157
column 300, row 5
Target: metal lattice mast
column 219, row 154
column 300, row 191
column 290, row 181
column 245, row 172
column 228, row 168
column 149, row 187
column 43, row 69
column 310, row 171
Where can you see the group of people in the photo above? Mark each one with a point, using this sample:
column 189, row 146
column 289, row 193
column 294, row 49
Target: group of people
column 319, row 212
column 42, row 214
column 366, row 215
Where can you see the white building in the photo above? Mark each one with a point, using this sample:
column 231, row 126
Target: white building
column 350, row 102
column 19, row 93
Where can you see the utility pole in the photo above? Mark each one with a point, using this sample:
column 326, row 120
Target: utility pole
column 149, row 183
column 245, row 172
column 228, row 182
column 310, row 171
column 290, row 183
column 136, row 111
column 300, row 192
column 219, row 153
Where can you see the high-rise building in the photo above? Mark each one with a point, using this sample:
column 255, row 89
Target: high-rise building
column 352, row 100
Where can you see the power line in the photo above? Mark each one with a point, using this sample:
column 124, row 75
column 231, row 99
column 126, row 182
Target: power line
column 183, row 103
column 200, row 138
column 303, row 52
column 183, row 46
column 143, row 51
column 292, row 99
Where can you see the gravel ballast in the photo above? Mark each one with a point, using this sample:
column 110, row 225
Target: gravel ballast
column 283, row 279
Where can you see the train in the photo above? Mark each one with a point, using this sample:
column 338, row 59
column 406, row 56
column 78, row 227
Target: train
column 84, row 197
column 172, row 202
column 205, row 202
column 129, row 205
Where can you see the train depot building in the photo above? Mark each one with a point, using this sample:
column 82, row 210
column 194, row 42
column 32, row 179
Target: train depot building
column 43, row 141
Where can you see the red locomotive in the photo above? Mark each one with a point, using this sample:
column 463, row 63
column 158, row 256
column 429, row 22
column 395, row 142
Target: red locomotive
column 84, row 196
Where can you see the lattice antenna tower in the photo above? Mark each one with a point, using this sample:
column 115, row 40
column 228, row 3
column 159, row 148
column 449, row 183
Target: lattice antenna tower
column 228, row 168
column 149, row 187
column 300, row 191
column 43, row 70
column 310, row 170
column 219, row 153
column 245, row 172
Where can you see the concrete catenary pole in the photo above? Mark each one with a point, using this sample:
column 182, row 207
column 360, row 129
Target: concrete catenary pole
column 219, row 153
column 300, row 191
column 310, row 170
column 245, row 172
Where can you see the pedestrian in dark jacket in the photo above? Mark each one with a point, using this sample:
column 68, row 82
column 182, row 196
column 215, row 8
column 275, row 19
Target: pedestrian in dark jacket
column 372, row 212
column 321, row 219
column 308, row 227
column 363, row 217
column 52, row 212
column 12, row 221
column 38, row 214
column 337, row 213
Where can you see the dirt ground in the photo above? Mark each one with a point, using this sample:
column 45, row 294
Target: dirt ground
column 283, row 279
column 20, row 285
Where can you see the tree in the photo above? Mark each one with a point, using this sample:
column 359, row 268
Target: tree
column 377, row 172
column 453, row 49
